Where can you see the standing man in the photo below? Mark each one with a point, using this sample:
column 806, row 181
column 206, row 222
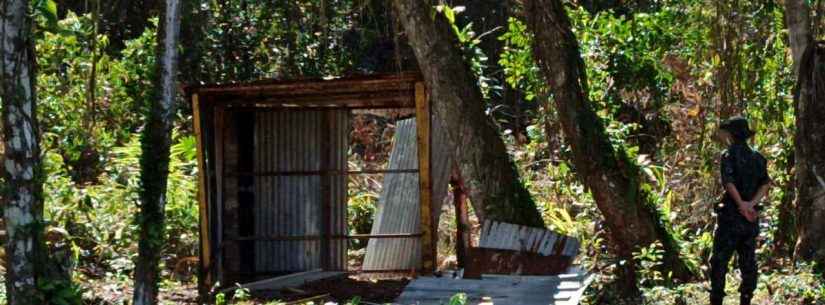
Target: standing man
column 745, row 180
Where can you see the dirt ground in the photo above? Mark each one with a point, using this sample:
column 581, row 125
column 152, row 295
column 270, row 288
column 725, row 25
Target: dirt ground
column 368, row 288
column 372, row 289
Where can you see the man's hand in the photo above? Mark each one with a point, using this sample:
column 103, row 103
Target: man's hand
column 747, row 209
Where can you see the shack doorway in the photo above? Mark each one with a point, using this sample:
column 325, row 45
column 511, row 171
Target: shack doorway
column 282, row 166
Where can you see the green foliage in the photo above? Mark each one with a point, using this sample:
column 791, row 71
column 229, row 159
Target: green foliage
column 361, row 211
column 660, row 63
column 47, row 10
column 469, row 42
column 97, row 216
column 60, row 292
column 241, row 294
column 79, row 130
column 517, row 60
column 649, row 262
column 249, row 40
column 458, row 299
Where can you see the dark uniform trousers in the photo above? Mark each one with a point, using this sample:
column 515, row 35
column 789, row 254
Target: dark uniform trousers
column 733, row 234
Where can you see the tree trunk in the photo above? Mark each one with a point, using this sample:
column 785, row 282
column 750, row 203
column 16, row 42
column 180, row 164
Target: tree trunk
column 23, row 189
column 808, row 67
column 611, row 176
column 810, row 161
column 490, row 20
column 798, row 22
column 490, row 175
column 154, row 162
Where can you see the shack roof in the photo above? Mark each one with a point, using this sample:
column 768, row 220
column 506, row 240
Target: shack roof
column 394, row 90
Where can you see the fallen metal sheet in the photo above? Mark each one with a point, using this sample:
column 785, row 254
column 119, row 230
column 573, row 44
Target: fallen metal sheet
column 506, row 236
column 289, row 280
column 498, row 289
column 495, row 261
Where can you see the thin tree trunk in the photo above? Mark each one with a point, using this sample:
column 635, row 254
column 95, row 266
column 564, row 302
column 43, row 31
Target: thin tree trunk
column 154, row 162
column 490, row 175
column 23, row 189
column 810, row 161
column 613, row 178
column 785, row 236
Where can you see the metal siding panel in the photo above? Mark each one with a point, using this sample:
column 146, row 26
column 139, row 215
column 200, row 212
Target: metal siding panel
column 398, row 210
column 292, row 205
column 506, row 236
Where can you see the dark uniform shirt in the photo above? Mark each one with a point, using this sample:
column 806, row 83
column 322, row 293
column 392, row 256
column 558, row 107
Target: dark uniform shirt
column 747, row 169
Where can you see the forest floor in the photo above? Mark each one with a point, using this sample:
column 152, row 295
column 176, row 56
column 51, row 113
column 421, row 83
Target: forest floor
column 364, row 288
column 781, row 287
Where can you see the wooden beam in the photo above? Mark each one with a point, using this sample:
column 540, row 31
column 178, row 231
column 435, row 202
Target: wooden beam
column 218, row 134
column 204, row 274
column 371, row 83
column 327, row 124
column 423, row 121
column 290, row 280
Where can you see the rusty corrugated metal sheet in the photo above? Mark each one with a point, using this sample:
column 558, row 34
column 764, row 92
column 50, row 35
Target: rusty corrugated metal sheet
column 497, row 261
column 398, row 210
column 294, row 205
column 506, row 236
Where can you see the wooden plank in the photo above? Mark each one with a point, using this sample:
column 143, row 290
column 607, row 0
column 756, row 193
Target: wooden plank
column 205, row 275
column 309, row 300
column 423, row 121
column 289, row 280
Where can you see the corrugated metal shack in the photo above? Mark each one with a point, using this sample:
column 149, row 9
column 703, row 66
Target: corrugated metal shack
column 272, row 158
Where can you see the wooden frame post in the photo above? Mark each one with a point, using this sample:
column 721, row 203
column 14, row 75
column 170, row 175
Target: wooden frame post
column 327, row 123
column 424, row 139
column 204, row 272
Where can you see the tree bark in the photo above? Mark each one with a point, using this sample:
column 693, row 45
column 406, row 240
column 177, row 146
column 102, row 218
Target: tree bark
column 490, row 20
column 810, row 161
column 798, row 22
column 490, row 175
column 155, row 143
column 23, row 189
column 808, row 67
column 613, row 179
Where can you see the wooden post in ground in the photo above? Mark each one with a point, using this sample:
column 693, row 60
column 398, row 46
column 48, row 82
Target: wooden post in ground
column 462, row 221
column 204, row 272
column 423, row 120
